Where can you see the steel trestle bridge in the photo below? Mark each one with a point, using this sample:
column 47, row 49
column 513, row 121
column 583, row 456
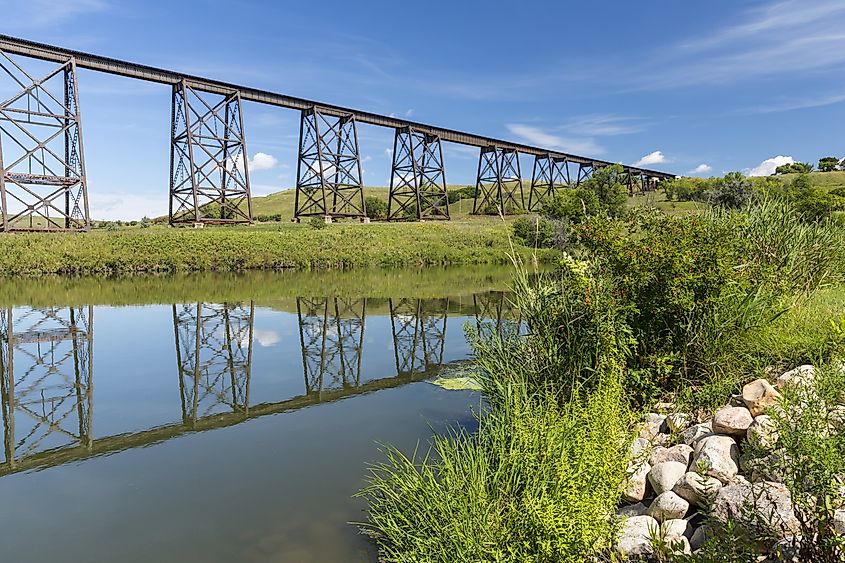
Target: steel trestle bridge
column 43, row 185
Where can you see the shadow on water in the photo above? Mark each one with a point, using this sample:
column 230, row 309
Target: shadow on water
column 171, row 372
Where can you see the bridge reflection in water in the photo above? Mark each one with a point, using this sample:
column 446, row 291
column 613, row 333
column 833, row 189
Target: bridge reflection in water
column 46, row 367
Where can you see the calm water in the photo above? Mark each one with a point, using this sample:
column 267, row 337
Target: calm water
column 220, row 418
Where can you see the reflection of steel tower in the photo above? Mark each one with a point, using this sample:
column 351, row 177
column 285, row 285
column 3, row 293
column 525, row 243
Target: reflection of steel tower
column 496, row 314
column 214, row 353
column 331, row 331
column 419, row 333
column 45, row 379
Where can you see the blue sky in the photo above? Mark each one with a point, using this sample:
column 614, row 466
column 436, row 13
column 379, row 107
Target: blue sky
column 699, row 88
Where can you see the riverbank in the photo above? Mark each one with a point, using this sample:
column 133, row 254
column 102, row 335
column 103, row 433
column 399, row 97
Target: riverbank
column 262, row 247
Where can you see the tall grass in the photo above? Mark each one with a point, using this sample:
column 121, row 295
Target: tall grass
column 539, row 478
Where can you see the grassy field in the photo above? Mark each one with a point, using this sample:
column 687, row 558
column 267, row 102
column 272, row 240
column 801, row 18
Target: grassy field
column 271, row 246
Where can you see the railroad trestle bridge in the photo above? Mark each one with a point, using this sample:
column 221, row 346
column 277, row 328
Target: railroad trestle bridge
column 44, row 186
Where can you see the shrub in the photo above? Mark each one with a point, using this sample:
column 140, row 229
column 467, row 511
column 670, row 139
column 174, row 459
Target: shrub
column 794, row 168
column 573, row 205
column 376, row 207
column 317, row 223
column 462, row 193
column 609, row 191
column 534, row 231
column 733, row 191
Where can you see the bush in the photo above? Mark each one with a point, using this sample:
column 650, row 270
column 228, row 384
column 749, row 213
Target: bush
column 794, row 168
column 610, row 193
column 811, row 203
column 574, row 205
column 462, row 193
column 534, row 231
column 376, row 207
column 733, row 191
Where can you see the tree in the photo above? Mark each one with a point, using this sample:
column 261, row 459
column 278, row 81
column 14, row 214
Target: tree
column 828, row 164
column 794, row 168
column 733, row 191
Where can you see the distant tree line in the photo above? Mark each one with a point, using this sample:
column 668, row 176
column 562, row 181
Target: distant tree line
column 826, row 164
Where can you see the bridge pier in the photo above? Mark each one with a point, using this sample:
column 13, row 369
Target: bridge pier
column 498, row 189
column 329, row 179
column 418, row 178
column 209, row 173
column 549, row 175
column 43, row 186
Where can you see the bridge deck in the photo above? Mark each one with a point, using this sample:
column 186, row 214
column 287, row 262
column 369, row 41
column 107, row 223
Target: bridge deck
column 152, row 74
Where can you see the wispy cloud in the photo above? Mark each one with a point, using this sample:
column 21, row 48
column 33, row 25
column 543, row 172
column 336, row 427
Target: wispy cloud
column 536, row 136
column 795, row 104
column 48, row 13
column 656, row 157
column 603, row 125
column 793, row 36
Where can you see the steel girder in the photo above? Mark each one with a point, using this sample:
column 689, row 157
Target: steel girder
column 419, row 334
column 498, row 189
column 418, row 178
column 209, row 171
column 214, row 357
column 43, row 185
column 46, row 388
column 329, row 178
column 331, row 333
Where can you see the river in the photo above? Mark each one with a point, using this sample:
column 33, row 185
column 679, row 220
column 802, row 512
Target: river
column 222, row 417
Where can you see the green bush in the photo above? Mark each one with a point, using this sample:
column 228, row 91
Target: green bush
column 534, row 231
column 376, row 207
column 574, row 205
column 734, row 191
column 462, row 193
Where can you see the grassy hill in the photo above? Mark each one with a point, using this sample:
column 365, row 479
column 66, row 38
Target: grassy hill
column 824, row 180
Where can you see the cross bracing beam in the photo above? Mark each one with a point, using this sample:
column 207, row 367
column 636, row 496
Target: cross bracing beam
column 169, row 77
column 498, row 189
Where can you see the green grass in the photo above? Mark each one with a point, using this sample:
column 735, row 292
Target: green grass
column 824, row 180
column 277, row 246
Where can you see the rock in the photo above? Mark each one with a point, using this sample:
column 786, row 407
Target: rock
column 763, row 504
column 681, row 453
column 697, row 431
column 678, row 422
column 736, row 401
column 668, row 506
column 759, row 395
column 699, row 536
column 636, row 484
column 695, row 488
column 663, row 476
column 801, row 376
column 771, row 467
column 763, row 432
column 653, row 426
column 732, row 421
column 635, row 536
column 632, row 510
column 679, row 545
column 839, row 522
column 717, row 456
column 639, row 449
column 674, row 528
column 836, row 419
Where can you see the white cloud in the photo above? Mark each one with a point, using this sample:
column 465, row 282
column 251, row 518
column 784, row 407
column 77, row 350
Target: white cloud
column 262, row 161
column 656, row 157
column 410, row 112
column 536, row 136
column 603, row 125
column 767, row 167
column 266, row 338
column 701, row 169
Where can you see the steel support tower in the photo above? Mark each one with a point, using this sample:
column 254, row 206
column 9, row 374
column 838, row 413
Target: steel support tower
column 419, row 334
column 209, row 169
column 550, row 174
column 331, row 333
column 329, row 177
column 45, row 380
column 214, row 357
column 496, row 314
column 42, row 162
column 418, row 178
column 498, row 189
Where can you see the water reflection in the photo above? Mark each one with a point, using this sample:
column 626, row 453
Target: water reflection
column 45, row 380
column 46, row 363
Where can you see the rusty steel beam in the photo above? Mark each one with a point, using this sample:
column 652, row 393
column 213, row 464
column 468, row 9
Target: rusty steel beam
column 169, row 77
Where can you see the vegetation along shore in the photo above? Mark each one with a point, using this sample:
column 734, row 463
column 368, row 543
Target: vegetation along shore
column 678, row 394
